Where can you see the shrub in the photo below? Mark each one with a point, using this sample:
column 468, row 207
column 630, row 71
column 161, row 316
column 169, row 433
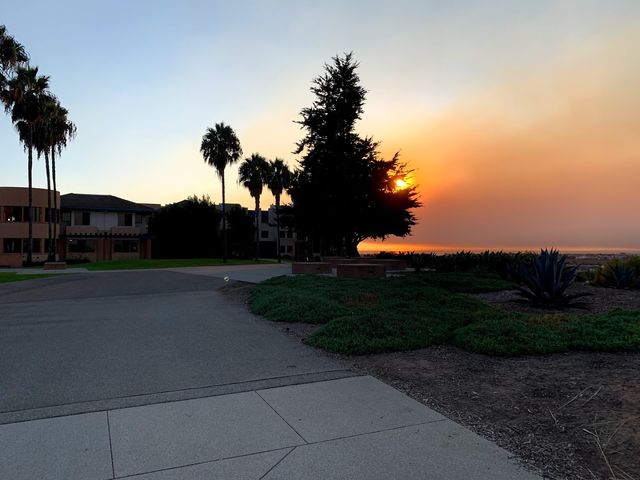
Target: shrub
column 421, row 261
column 546, row 280
column 619, row 273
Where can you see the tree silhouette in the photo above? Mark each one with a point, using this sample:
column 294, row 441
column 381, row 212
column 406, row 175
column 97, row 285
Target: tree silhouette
column 220, row 147
column 343, row 191
column 61, row 130
column 41, row 139
column 186, row 229
column 12, row 55
column 253, row 174
column 241, row 232
column 24, row 95
column 279, row 179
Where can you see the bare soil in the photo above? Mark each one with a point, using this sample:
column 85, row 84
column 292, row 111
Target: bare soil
column 571, row 416
column 597, row 300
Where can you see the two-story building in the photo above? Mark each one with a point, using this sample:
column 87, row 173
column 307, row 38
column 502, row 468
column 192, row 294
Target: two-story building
column 103, row 227
column 14, row 224
column 269, row 233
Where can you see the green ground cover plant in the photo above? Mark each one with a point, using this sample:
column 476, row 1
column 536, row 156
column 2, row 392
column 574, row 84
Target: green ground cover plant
column 8, row 277
column 419, row 310
column 165, row 263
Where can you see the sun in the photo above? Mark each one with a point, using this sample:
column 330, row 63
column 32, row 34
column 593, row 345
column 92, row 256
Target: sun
column 401, row 184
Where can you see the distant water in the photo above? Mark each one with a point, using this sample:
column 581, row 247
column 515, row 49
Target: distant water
column 377, row 247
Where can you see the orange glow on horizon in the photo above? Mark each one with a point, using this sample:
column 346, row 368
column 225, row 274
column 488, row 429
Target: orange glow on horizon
column 370, row 246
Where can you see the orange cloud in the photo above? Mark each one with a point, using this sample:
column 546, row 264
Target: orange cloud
column 544, row 157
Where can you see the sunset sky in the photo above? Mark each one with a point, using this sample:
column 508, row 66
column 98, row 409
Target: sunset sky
column 520, row 118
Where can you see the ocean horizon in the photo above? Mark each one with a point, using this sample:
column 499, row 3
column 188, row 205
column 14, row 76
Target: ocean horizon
column 378, row 247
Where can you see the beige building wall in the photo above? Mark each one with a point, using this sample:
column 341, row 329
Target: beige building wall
column 19, row 197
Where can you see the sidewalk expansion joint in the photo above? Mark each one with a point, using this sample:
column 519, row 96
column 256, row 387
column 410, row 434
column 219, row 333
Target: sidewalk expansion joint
column 113, row 467
column 277, row 463
column 204, row 462
column 282, row 418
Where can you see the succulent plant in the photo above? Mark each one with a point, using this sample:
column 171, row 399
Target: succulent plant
column 545, row 280
column 619, row 274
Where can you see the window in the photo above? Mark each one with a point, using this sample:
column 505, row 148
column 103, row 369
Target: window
column 125, row 219
column 36, row 245
column 282, row 249
column 81, row 246
column 289, row 248
column 264, row 217
column 264, row 234
column 289, row 234
column 66, row 218
column 12, row 245
column 82, row 218
column 125, row 246
column 13, row 214
column 141, row 220
column 282, row 233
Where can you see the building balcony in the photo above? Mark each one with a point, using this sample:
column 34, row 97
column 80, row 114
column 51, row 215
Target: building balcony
column 92, row 231
column 77, row 230
column 128, row 231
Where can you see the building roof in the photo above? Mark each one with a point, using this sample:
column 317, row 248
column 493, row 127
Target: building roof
column 101, row 203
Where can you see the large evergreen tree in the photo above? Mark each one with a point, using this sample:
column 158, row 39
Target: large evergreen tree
column 344, row 191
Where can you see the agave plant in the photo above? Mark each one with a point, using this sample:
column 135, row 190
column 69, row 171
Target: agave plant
column 546, row 280
column 618, row 274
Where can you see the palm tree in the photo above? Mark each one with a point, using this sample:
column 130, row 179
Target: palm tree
column 41, row 139
column 279, row 180
column 61, row 130
column 220, row 147
column 253, row 174
column 23, row 97
column 12, row 55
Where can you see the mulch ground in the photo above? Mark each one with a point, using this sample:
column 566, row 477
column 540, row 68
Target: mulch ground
column 571, row 416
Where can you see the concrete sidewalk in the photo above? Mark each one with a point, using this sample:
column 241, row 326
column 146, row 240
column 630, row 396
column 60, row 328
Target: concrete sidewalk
column 240, row 273
column 351, row 428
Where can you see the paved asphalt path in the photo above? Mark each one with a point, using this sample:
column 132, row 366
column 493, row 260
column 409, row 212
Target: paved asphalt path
column 90, row 342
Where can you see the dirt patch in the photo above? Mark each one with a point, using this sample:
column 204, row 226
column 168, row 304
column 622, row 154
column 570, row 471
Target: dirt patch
column 551, row 411
column 598, row 300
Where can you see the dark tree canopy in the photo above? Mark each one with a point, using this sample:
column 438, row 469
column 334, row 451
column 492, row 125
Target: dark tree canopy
column 344, row 191
column 191, row 229
column 187, row 229
column 241, row 232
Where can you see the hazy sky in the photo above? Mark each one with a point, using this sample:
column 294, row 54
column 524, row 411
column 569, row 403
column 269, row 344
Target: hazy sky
column 522, row 119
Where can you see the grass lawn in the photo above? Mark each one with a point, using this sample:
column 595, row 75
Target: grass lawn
column 7, row 277
column 164, row 263
column 416, row 311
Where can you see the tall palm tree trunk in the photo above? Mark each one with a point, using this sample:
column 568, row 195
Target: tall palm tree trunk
column 30, row 208
column 257, row 227
column 224, row 224
column 55, row 203
column 278, row 228
column 50, row 249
